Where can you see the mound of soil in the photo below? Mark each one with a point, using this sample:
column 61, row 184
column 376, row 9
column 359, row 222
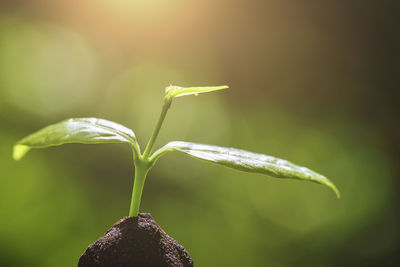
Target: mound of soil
column 135, row 241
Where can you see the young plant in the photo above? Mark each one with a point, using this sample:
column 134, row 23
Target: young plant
column 94, row 131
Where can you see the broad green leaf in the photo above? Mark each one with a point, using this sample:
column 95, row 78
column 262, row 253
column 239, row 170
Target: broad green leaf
column 79, row 130
column 248, row 161
column 177, row 91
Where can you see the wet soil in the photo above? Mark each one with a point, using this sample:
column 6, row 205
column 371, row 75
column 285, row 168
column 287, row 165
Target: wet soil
column 135, row 241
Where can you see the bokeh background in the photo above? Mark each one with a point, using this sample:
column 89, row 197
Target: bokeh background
column 314, row 82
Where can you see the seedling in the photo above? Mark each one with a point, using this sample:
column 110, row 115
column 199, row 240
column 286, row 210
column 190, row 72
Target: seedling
column 94, row 131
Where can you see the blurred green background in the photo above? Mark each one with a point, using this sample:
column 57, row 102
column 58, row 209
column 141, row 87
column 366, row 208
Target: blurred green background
column 311, row 81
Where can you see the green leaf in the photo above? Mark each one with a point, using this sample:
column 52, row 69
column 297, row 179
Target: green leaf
column 79, row 130
column 177, row 91
column 247, row 161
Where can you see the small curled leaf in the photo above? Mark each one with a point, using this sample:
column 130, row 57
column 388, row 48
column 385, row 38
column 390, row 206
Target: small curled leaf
column 177, row 91
column 247, row 161
column 79, row 130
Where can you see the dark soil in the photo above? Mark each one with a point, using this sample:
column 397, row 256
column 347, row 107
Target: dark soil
column 135, row 241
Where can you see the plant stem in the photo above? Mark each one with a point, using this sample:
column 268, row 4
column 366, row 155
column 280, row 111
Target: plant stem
column 140, row 177
column 150, row 144
column 142, row 162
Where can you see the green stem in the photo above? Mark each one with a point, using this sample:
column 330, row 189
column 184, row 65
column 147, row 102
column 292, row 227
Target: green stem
column 150, row 144
column 143, row 163
column 140, row 177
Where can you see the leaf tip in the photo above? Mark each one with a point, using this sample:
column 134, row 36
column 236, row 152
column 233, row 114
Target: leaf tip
column 337, row 192
column 334, row 188
column 19, row 151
